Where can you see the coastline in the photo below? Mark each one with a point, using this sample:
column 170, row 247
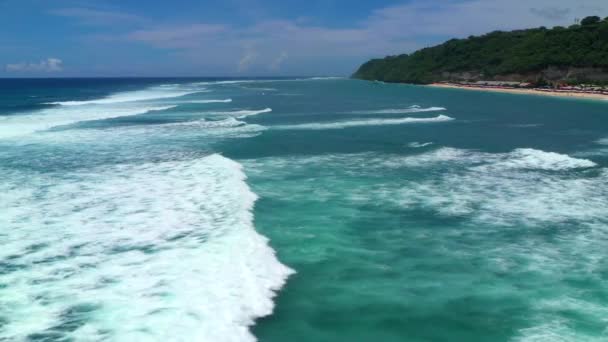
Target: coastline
column 562, row 94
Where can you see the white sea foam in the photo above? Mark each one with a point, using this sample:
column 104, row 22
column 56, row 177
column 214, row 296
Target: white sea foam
column 523, row 158
column 325, row 78
column 358, row 123
column 245, row 113
column 241, row 114
column 235, row 81
column 226, row 82
column 18, row 125
column 524, row 186
column 603, row 141
column 260, row 89
column 532, row 125
column 521, row 187
column 226, row 123
column 209, row 101
column 549, row 325
column 416, row 144
column 412, row 109
column 432, row 158
column 528, row 158
column 132, row 96
column 156, row 252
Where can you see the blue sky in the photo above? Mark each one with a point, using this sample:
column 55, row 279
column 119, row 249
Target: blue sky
column 64, row 38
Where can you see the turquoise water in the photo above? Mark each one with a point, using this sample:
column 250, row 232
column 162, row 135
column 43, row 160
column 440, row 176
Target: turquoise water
column 300, row 210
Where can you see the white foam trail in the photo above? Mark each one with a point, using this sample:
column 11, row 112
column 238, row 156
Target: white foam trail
column 132, row 96
column 264, row 81
column 175, row 240
column 525, row 125
column 241, row 114
column 359, row 123
column 260, row 89
column 416, row 144
column 226, row 123
column 234, row 82
column 227, row 82
column 522, row 158
column 245, row 113
column 230, row 122
column 412, row 109
column 209, row 101
column 18, row 125
column 603, row 141
column 528, row 158
column 523, row 186
column 431, row 158
column 489, row 189
column 325, row 78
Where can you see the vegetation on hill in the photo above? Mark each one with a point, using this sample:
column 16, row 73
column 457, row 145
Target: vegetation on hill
column 499, row 53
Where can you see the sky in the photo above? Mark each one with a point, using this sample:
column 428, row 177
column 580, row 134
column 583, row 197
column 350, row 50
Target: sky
column 80, row 38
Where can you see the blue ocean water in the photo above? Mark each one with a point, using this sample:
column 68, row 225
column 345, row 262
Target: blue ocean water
column 313, row 209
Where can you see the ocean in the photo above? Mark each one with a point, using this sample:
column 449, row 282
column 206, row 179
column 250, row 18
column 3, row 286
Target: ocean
column 310, row 209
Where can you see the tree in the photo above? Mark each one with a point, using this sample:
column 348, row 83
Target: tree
column 523, row 52
column 592, row 20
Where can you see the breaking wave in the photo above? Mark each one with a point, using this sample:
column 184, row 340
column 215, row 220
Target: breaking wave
column 358, row 123
column 524, row 186
column 412, row 109
column 18, row 125
column 174, row 239
column 241, row 114
column 416, row 144
column 325, row 78
column 210, row 101
column 226, row 123
column 132, row 96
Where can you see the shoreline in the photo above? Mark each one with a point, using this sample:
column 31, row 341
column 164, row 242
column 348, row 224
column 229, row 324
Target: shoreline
column 563, row 94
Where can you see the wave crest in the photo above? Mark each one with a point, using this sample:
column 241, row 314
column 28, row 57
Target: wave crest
column 133, row 96
column 174, row 239
column 359, row 123
column 412, row 109
column 13, row 126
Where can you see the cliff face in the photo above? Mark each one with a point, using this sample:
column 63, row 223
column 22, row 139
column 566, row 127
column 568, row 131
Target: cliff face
column 551, row 75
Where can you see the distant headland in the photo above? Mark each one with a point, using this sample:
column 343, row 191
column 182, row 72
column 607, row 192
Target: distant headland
column 560, row 61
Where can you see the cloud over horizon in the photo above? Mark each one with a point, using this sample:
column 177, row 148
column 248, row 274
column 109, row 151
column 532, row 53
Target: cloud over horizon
column 261, row 43
column 48, row 65
column 385, row 31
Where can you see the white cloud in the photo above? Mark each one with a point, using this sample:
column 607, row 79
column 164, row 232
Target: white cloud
column 90, row 16
column 340, row 49
column 181, row 36
column 389, row 30
column 48, row 65
column 247, row 59
column 276, row 64
column 551, row 13
column 469, row 17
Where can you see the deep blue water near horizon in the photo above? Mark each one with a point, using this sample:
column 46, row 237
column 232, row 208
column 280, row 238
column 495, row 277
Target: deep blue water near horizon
column 304, row 209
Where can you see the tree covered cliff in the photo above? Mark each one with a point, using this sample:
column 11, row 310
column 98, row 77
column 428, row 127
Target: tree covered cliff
column 521, row 52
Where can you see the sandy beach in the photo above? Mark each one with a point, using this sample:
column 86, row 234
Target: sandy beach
column 525, row 91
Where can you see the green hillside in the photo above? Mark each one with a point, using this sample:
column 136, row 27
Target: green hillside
column 524, row 52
